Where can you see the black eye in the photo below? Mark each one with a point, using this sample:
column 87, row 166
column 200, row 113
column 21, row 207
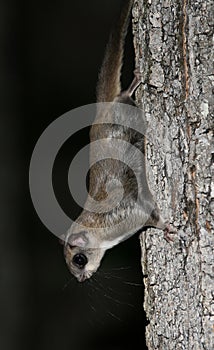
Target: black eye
column 80, row 260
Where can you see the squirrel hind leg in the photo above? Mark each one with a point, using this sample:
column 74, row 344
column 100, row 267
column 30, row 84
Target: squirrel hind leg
column 135, row 83
column 126, row 95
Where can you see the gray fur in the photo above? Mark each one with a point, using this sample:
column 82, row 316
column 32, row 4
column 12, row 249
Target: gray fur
column 95, row 232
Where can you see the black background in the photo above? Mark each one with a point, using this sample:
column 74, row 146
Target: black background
column 51, row 52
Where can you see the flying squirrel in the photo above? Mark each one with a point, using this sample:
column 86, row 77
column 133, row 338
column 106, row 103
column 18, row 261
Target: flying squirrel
column 103, row 227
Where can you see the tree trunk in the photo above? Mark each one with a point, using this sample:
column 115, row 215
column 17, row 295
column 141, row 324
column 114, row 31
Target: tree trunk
column 173, row 49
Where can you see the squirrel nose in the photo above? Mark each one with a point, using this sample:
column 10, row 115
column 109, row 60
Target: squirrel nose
column 84, row 276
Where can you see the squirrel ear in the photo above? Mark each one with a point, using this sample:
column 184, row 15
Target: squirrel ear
column 62, row 239
column 78, row 239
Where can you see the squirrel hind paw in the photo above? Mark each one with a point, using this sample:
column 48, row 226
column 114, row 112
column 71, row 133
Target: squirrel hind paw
column 168, row 231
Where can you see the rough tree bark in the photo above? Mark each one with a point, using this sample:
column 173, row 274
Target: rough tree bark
column 173, row 48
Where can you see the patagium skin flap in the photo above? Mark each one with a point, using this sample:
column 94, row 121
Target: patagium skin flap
column 97, row 230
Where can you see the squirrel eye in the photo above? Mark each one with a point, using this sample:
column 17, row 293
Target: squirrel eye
column 80, row 260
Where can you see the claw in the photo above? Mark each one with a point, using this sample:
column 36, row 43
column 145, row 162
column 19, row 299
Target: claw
column 167, row 233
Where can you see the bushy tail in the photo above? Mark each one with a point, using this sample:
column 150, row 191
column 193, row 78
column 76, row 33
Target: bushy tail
column 109, row 86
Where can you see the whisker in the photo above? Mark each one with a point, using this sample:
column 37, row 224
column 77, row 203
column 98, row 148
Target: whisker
column 120, row 268
column 114, row 316
column 102, row 288
column 133, row 284
column 117, row 301
column 113, row 299
column 92, row 286
column 99, row 284
column 67, row 283
column 109, row 275
column 93, row 308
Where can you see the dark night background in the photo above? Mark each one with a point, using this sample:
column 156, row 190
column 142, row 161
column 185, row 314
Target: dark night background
column 50, row 56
